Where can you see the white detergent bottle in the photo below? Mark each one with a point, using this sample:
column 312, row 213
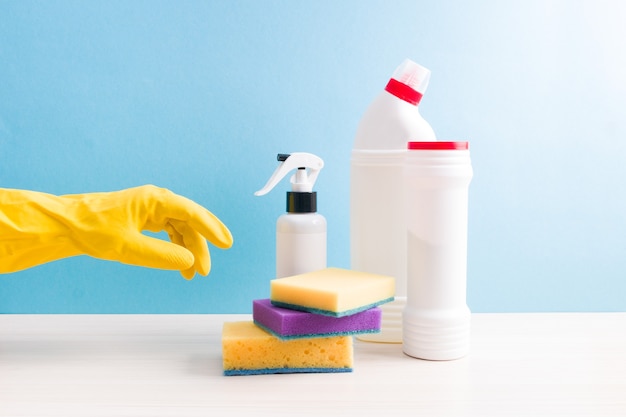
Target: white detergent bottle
column 301, row 232
column 436, row 317
column 378, row 231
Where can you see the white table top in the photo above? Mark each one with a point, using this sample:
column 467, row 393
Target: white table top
column 170, row 365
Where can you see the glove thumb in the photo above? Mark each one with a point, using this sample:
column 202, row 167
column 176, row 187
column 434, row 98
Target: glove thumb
column 142, row 250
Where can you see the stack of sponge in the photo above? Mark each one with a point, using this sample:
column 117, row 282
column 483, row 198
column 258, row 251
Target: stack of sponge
column 307, row 323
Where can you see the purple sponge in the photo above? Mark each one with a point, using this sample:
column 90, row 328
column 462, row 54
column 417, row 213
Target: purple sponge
column 291, row 324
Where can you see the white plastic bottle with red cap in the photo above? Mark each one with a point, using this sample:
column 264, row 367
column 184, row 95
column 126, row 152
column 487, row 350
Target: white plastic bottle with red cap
column 436, row 319
column 377, row 221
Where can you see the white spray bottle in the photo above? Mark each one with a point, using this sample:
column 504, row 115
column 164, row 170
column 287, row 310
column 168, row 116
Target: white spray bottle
column 301, row 232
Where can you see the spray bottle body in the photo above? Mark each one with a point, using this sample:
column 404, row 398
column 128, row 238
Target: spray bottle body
column 300, row 243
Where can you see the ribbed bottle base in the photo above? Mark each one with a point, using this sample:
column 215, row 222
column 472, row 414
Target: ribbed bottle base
column 430, row 336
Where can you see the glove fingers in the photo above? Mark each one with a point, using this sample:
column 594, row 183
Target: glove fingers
column 173, row 234
column 189, row 273
column 151, row 252
column 196, row 243
column 198, row 218
column 177, row 238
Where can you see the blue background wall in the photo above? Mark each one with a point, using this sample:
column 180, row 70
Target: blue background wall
column 198, row 97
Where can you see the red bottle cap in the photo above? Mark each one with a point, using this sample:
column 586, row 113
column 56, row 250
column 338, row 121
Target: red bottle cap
column 439, row 146
column 403, row 92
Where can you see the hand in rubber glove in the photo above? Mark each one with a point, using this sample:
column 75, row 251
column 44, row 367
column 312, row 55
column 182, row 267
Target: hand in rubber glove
column 36, row 228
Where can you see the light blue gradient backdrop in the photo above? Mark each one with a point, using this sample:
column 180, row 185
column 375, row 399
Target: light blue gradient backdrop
column 199, row 96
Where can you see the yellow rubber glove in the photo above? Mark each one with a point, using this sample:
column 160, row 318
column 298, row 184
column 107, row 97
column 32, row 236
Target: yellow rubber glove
column 36, row 228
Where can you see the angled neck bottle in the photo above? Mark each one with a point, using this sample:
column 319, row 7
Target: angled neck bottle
column 377, row 225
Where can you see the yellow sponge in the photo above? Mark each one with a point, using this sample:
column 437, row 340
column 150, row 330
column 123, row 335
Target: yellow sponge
column 249, row 350
column 332, row 291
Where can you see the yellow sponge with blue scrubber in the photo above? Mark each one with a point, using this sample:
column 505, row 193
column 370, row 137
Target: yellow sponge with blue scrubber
column 332, row 292
column 249, row 350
